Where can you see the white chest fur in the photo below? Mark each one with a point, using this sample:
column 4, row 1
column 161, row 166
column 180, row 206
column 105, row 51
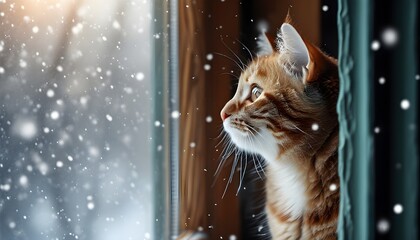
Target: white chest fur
column 286, row 188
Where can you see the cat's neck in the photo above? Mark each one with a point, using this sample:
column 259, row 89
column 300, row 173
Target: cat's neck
column 286, row 185
column 289, row 174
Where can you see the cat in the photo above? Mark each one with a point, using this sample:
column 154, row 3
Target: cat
column 284, row 109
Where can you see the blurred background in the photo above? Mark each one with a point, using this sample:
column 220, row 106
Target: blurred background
column 75, row 125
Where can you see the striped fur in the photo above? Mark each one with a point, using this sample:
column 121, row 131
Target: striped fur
column 293, row 126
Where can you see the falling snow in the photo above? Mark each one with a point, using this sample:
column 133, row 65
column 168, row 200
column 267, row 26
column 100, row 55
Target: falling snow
column 209, row 57
column 232, row 237
column 77, row 28
column 375, row 45
column 25, row 128
column 383, row 226
column 59, row 164
column 23, row 181
column 76, row 99
column 398, row 208
column 209, row 119
column 12, row 225
column 5, row 187
column 389, row 37
column 35, row 29
column 59, row 68
column 140, row 76
column 175, row 114
column 108, row 117
column 50, row 93
column 90, row 205
column 333, row 187
column 207, row 67
column 23, row 63
column 381, row 80
column 54, row 115
column 405, row 104
column 116, row 24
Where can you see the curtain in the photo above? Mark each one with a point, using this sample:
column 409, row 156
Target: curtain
column 378, row 113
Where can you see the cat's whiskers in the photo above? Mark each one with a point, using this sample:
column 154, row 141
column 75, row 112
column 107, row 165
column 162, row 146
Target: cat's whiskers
column 233, row 60
column 242, row 173
column 252, row 131
column 300, row 130
column 260, row 142
column 231, row 74
column 256, row 166
column 246, row 48
column 233, row 52
column 261, row 166
column 226, row 153
column 238, row 154
column 238, row 159
column 224, row 134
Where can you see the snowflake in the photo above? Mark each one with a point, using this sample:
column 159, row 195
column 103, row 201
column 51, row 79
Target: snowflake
column 398, row 208
column 390, row 37
column 405, row 104
column 375, row 45
column 54, row 115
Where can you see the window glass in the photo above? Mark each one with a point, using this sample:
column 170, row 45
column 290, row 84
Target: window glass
column 75, row 128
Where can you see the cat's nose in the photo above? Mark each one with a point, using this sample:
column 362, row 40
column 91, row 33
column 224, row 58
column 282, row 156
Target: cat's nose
column 224, row 115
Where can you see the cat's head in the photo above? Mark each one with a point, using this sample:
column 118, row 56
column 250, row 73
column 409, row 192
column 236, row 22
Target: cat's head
column 285, row 99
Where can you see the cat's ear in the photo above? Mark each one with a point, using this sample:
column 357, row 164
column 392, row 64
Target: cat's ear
column 304, row 60
column 319, row 63
column 294, row 50
column 266, row 44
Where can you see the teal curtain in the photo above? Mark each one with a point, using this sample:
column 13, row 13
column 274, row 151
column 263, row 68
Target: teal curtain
column 404, row 140
column 356, row 107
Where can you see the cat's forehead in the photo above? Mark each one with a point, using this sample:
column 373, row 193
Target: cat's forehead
column 257, row 69
column 266, row 71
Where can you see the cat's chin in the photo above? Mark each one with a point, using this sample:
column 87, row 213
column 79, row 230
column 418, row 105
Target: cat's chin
column 240, row 138
column 262, row 143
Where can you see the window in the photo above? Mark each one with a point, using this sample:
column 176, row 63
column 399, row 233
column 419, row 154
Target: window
column 75, row 125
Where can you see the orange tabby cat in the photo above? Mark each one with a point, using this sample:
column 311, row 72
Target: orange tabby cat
column 284, row 109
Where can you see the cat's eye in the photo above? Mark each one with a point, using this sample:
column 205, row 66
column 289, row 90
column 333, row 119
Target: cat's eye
column 255, row 93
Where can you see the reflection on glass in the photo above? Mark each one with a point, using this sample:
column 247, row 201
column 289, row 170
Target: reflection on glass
column 75, row 130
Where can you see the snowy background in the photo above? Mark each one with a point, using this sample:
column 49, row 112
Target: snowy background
column 75, row 127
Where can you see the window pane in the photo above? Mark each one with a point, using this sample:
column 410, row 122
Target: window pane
column 75, row 159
